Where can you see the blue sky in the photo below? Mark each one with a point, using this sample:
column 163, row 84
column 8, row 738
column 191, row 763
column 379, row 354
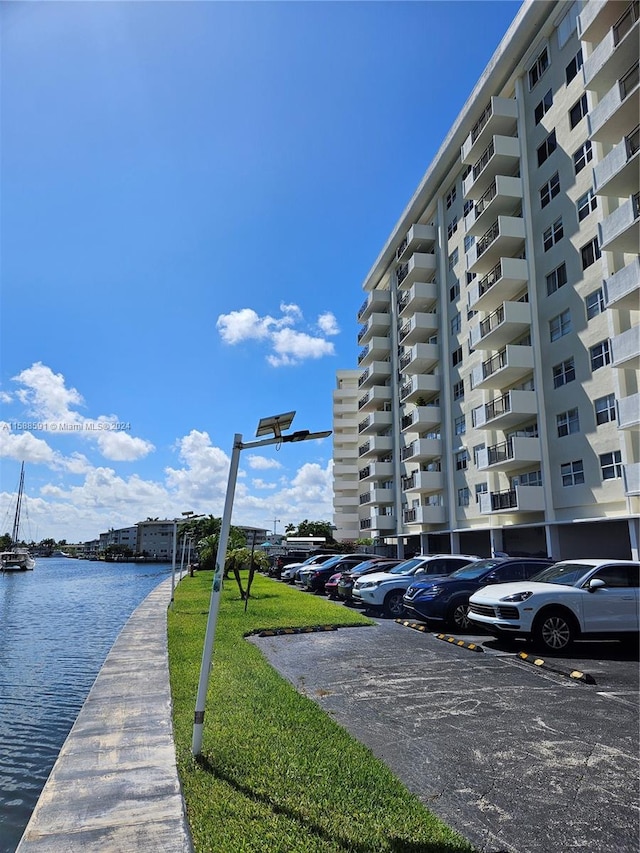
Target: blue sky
column 192, row 194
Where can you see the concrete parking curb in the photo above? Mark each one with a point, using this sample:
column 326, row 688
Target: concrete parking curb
column 472, row 647
column 574, row 675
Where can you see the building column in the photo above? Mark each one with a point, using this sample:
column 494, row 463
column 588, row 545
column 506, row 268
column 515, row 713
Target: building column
column 496, row 540
column 454, row 543
column 634, row 538
column 552, row 536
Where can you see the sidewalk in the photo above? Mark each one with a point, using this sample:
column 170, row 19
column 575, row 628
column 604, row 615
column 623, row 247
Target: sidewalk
column 114, row 786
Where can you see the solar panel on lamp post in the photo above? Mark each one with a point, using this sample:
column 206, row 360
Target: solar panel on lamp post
column 273, row 426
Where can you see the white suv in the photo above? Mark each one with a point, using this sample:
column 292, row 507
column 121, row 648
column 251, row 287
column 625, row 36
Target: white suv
column 384, row 590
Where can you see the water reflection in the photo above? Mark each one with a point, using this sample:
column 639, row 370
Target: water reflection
column 57, row 626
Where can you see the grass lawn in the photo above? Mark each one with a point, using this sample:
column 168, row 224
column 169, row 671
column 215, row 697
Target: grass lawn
column 277, row 774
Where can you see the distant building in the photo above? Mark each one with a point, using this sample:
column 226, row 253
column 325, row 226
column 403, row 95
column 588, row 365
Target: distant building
column 349, row 431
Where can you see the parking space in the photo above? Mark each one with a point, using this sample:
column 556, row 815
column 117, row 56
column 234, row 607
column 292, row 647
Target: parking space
column 516, row 757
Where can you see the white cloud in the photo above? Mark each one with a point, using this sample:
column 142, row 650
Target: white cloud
column 5, row 397
column 262, row 484
column 46, row 395
column 122, row 447
column 262, row 463
column 289, row 346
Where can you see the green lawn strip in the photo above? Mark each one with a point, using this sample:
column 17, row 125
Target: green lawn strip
column 277, row 774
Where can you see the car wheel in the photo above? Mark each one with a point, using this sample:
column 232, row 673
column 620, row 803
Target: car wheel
column 459, row 616
column 553, row 631
column 393, row 605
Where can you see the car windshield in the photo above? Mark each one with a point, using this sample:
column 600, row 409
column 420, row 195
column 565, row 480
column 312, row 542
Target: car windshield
column 363, row 567
column 475, row 570
column 567, row 574
column 407, row 568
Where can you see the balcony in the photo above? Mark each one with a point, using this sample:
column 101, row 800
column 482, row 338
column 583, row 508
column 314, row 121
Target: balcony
column 500, row 157
column 376, row 471
column 377, row 349
column 507, row 411
column 420, row 296
column 631, row 479
column 596, row 18
column 625, row 350
column 615, row 51
column 517, row 452
column 518, row 499
column 503, row 196
column 505, row 368
column 505, row 238
column 377, row 445
column 616, row 114
column 419, row 358
column 425, row 482
column 622, row 289
column 377, row 324
column 418, row 329
column 419, row 267
column 379, row 497
column 507, row 323
column 507, row 279
column 499, row 118
column 377, row 301
column 628, row 412
column 378, row 373
column 379, row 523
column 344, row 471
column 423, row 385
column 421, row 419
column 422, row 449
column 419, row 236
column 619, row 171
column 425, row 515
column 374, row 399
column 620, row 231
column 375, row 423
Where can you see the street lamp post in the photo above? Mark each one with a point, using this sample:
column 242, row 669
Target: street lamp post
column 187, row 516
column 274, row 426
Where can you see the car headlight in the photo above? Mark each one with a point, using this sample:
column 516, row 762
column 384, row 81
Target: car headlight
column 368, row 584
column 518, row 596
column 431, row 592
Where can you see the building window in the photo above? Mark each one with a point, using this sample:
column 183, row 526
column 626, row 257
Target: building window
column 468, row 206
column 595, row 303
column 462, row 460
column 590, row 253
column 586, row 204
column 568, row 423
column 572, row 473
column 481, row 489
column 463, row 497
column 454, row 290
column 611, row 465
column 560, row 325
column 470, row 277
column 458, row 390
column 582, row 156
column 456, row 356
column 600, row 355
column 453, row 227
column 564, row 372
column 557, row 278
column 539, row 67
column 532, row 478
column 578, row 111
column 460, row 425
column 574, row 66
column 451, row 196
column 549, row 190
column 547, row 148
column 453, row 259
column 605, row 409
column 455, row 324
column 476, row 451
column 543, row 107
column 553, row 235
column 469, row 241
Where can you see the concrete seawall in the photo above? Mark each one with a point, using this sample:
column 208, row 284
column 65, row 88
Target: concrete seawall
column 114, row 786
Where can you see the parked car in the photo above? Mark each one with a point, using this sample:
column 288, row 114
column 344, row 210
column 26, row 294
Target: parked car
column 384, row 590
column 331, row 586
column 446, row 601
column 314, row 579
column 347, row 579
column 289, row 572
column 283, row 560
column 571, row 599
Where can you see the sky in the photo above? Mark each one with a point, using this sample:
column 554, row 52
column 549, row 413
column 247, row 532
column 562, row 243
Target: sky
column 191, row 196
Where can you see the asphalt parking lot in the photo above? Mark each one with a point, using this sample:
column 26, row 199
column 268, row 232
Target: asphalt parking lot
column 516, row 755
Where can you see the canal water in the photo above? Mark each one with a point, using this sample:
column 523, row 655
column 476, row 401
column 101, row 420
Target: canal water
column 57, row 625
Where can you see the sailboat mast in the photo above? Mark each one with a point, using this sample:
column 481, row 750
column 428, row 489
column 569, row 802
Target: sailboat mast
column 16, row 520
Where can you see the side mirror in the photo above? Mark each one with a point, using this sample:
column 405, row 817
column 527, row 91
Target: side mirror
column 595, row 584
column 492, row 578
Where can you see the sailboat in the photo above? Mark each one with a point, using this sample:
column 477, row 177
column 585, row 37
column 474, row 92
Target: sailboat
column 17, row 559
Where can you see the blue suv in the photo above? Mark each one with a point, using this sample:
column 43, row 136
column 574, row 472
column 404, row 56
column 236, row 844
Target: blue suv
column 446, row 601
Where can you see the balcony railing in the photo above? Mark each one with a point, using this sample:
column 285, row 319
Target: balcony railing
column 500, row 452
column 364, row 424
column 632, row 142
column 629, row 82
column 492, row 321
column 487, row 238
column 364, row 448
column 476, row 130
column 504, row 500
column 364, row 472
column 490, row 279
column 493, row 364
column 484, row 159
column 486, row 198
column 401, row 248
column 402, row 272
column 625, row 22
column 363, row 401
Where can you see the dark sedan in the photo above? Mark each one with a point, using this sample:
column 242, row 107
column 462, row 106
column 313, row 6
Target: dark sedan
column 315, row 580
column 348, row 578
column 446, row 601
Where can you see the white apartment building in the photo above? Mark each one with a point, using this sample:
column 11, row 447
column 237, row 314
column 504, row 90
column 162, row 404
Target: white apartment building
column 499, row 398
column 346, row 440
